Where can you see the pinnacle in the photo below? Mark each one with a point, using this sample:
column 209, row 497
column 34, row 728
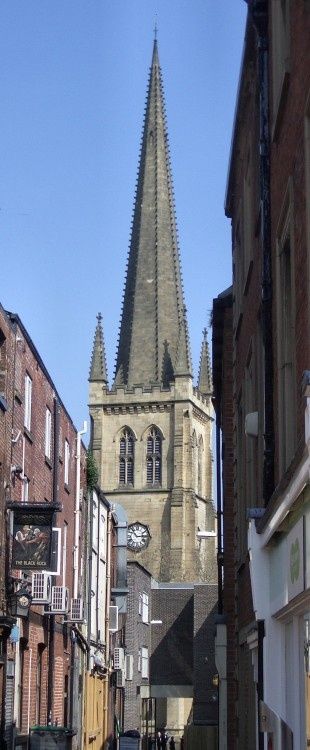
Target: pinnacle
column 98, row 368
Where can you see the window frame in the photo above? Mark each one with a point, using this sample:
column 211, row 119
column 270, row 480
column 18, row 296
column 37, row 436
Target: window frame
column 144, row 662
column 28, row 401
column 154, row 457
column 66, row 462
column 286, row 414
column 126, row 458
column 48, row 434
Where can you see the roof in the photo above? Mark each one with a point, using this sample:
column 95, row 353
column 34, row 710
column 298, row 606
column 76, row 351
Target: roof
column 153, row 338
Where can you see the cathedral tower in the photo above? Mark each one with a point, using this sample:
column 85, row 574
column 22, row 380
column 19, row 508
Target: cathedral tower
column 151, row 432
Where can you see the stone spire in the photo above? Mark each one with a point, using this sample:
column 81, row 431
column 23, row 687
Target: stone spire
column 153, row 307
column 204, row 377
column 98, row 367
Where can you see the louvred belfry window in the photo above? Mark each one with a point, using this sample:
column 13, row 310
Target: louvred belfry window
column 126, row 457
column 153, row 457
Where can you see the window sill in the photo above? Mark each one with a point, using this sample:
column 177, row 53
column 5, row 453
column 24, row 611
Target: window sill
column 28, row 434
column 67, row 488
column 48, row 462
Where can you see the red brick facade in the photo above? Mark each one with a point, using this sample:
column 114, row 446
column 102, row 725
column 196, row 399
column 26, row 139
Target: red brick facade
column 42, row 658
column 268, row 202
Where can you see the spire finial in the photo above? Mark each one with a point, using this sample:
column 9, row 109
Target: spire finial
column 205, row 333
column 155, row 28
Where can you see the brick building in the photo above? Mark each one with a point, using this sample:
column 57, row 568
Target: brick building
column 138, row 707
column 268, row 201
column 42, row 461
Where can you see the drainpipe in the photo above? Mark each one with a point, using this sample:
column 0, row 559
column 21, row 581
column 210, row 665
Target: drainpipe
column 77, row 512
column 51, row 619
column 260, row 675
column 219, row 515
column 259, row 13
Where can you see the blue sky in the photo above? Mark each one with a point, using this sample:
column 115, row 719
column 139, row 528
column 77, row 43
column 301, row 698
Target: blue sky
column 73, row 77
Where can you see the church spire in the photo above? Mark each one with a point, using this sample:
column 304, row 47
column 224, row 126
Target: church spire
column 153, row 308
column 98, row 367
column 204, row 377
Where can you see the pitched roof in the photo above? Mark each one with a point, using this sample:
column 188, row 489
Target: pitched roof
column 153, row 308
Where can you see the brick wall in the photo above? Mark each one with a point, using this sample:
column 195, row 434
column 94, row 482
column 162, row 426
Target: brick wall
column 137, row 634
column 49, row 636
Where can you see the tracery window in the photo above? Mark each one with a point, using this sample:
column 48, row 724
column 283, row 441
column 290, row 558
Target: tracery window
column 153, row 457
column 126, row 457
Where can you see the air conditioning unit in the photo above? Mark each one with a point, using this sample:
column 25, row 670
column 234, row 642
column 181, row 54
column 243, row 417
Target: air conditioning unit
column 120, row 678
column 41, row 588
column 129, row 667
column 113, row 619
column 119, row 658
column 77, row 610
column 60, row 599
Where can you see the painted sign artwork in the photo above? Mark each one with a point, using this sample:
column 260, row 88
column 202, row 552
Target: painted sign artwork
column 32, row 535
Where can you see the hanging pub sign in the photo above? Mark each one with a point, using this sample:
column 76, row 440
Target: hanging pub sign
column 32, row 535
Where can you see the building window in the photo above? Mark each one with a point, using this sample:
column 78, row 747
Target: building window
column 286, row 357
column 67, row 460
column 144, row 662
column 28, row 398
column 280, row 12
column 153, row 457
column 48, row 433
column 139, row 660
column 144, row 607
column 126, row 457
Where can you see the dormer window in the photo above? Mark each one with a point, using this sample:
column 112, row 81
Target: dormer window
column 153, row 457
column 126, row 457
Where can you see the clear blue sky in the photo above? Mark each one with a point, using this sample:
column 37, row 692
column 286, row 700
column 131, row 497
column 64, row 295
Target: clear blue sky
column 73, row 77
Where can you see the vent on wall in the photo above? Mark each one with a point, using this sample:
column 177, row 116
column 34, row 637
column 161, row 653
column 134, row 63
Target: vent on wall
column 41, row 588
column 119, row 658
column 77, row 610
column 60, row 599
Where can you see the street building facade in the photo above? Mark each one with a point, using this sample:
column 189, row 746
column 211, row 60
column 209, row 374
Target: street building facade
column 43, row 463
column 264, row 410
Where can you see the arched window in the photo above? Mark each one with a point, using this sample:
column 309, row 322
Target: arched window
column 153, row 457
column 126, row 457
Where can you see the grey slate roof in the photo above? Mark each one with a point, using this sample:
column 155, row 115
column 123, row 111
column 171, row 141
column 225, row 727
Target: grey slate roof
column 98, row 367
column 153, row 313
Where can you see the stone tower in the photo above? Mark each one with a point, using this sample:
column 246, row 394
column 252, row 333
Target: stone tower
column 151, row 432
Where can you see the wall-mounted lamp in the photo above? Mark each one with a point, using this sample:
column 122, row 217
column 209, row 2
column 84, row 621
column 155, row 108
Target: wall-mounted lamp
column 16, row 469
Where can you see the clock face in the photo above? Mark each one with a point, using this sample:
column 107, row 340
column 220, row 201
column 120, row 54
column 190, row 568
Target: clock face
column 138, row 536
